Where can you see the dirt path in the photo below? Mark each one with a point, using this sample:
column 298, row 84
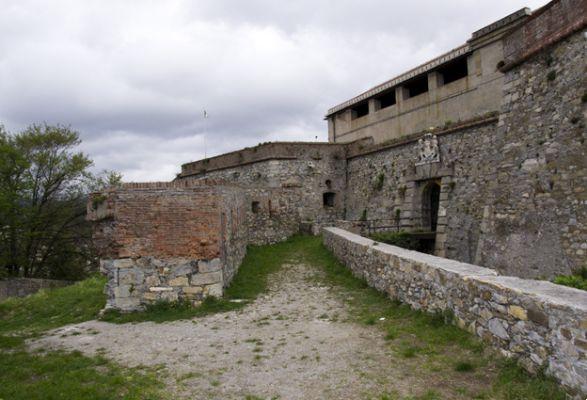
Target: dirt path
column 292, row 343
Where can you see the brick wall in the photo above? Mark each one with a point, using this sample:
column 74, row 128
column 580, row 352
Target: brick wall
column 158, row 221
column 546, row 26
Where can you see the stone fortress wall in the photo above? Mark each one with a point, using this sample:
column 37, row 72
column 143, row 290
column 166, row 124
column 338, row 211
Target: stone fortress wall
column 540, row 323
column 505, row 188
column 510, row 184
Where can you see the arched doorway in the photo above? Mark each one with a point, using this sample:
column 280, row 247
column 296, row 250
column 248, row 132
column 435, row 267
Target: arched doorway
column 430, row 203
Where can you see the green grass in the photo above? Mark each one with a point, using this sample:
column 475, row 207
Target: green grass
column 71, row 376
column 48, row 309
column 464, row 366
column 577, row 280
column 63, row 375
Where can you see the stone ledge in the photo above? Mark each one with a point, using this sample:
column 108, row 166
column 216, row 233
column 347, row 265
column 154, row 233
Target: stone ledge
column 538, row 322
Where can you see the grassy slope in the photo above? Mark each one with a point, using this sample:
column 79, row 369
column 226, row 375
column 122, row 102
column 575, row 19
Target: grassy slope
column 425, row 339
column 57, row 374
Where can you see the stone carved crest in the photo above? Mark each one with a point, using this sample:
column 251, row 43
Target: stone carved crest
column 428, row 149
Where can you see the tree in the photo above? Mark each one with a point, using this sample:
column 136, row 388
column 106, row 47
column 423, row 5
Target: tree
column 44, row 184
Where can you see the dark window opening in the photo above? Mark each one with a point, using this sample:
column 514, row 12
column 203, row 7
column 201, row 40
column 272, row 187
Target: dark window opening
column 453, row 71
column 255, row 207
column 269, row 208
column 416, row 86
column 328, row 199
column 386, row 99
column 360, row 110
column 328, row 183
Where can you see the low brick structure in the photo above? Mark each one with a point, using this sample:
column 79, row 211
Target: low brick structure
column 540, row 323
column 167, row 241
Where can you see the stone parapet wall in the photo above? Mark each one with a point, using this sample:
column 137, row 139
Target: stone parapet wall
column 20, row 287
column 540, row 323
column 261, row 153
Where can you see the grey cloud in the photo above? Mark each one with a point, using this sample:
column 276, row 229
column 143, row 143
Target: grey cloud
column 134, row 76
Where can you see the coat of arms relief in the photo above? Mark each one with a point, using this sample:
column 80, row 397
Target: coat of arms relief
column 428, row 151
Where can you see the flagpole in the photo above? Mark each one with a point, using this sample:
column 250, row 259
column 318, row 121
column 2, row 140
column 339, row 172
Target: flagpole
column 205, row 127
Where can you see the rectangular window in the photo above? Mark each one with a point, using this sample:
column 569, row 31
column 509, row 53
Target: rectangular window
column 328, row 199
column 453, row 71
column 255, row 207
column 386, row 99
column 416, row 86
column 360, row 110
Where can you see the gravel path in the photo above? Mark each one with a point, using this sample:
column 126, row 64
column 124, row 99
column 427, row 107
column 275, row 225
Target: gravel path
column 292, row 343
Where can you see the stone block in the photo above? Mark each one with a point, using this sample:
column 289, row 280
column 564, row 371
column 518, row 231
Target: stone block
column 169, row 296
column 180, row 281
column 130, row 277
column 209, row 266
column 122, row 291
column 214, row 290
column 123, row 263
column 150, row 296
column 184, row 269
column 206, row 278
column 161, row 289
column 518, row 312
column 193, row 289
column 152, row 280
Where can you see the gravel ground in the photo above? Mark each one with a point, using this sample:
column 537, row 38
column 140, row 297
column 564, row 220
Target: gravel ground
column 293, row 343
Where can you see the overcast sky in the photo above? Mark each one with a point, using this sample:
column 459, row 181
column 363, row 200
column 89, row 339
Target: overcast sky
column 133, row 77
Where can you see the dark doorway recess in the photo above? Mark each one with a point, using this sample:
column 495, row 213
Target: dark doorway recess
column 430, row 203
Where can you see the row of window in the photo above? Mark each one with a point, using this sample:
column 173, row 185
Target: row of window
column 447, row 73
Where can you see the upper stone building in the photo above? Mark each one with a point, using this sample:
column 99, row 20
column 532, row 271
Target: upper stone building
column 462, row 84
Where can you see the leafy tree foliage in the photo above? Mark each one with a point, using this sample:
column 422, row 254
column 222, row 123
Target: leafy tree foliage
column 44, row 184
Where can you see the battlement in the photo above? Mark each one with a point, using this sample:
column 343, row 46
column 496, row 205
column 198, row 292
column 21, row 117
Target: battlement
column 264, row 152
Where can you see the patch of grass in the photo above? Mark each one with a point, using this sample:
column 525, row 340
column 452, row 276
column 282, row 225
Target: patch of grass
column 71, row 376
column 409, row 351
column 49, row 309
column 513, row 383
column 189, row 375
column 464, row 366
column 578, row 280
